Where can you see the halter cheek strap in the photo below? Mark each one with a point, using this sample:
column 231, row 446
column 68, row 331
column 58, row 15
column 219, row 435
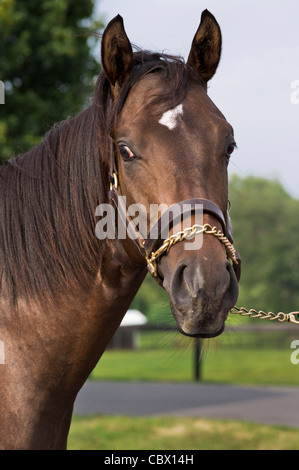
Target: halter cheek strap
column 153, row 248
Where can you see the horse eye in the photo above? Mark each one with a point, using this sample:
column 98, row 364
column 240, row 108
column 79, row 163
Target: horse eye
column 126, row 152
column 230, row 149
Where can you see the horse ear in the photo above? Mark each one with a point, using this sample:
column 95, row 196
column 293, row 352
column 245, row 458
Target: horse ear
column 206, row 47
column 117, row 53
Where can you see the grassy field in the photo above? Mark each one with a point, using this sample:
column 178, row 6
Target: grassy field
column 252, row 358
column 234, row 359
column 164, row 433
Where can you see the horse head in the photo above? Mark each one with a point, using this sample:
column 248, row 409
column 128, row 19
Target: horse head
column 172, row 145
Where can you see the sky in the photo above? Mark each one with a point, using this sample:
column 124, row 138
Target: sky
column 256, row 85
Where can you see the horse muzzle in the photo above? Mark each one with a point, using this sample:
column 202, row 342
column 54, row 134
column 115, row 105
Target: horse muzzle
column 200, row 296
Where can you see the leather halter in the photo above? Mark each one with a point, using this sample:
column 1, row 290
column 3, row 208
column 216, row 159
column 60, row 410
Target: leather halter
column 147, row 245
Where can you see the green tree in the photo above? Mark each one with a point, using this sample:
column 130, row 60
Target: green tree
column 153, row 302
column 47, row 65
column 266, row 232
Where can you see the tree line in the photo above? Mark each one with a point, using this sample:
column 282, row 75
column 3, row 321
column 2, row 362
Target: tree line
column 47, row 66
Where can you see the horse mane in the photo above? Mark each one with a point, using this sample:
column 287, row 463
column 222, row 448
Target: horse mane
column 49, row 194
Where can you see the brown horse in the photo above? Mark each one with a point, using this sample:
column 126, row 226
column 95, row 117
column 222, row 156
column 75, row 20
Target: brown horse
column 153, row 135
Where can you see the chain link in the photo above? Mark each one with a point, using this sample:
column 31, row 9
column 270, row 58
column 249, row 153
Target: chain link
column 292, row 317
column 185, row 235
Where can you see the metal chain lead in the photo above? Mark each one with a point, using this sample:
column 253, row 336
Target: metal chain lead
column 292, row 317
column 185, row 235
column 280, row 316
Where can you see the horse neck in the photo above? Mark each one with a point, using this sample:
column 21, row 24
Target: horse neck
column 48, row 198
column 49, row 252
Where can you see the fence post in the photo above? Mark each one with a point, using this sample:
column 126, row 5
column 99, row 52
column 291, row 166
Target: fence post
column 197, row 361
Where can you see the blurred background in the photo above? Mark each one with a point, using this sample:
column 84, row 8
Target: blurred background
column 49, row 61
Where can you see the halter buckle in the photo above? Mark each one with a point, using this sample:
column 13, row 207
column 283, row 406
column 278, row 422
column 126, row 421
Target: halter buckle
column 113, row 181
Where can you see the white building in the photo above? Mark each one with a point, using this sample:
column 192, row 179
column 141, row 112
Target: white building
column 127, row 335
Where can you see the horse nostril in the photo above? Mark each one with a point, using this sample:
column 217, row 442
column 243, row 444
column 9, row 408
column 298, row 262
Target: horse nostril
column 180, row 274
column 233, row 289
column 187, row 281
column 178, row 280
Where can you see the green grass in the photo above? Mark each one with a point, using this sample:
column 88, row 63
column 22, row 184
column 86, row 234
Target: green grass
column 166, row 433
column 256, row 358
column 169, row 357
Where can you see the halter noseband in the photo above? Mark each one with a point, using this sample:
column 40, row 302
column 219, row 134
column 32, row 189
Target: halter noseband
column 149, row 248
